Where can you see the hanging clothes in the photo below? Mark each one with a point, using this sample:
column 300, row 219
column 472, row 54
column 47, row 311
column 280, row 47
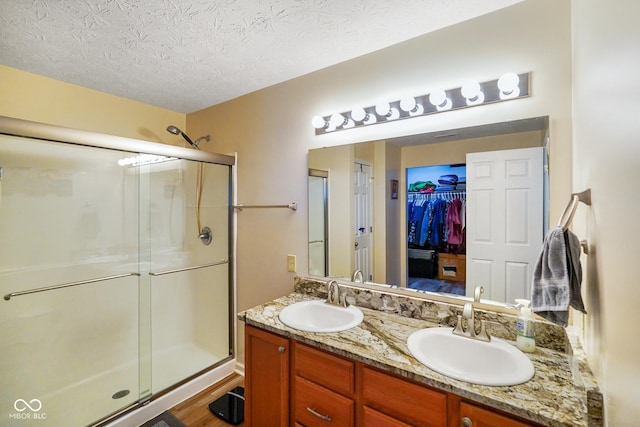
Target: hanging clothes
column 454, row 223
column 436, row 221
column 416, row 209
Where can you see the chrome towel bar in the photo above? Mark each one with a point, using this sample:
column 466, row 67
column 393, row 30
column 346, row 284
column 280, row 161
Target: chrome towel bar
column 293, row 206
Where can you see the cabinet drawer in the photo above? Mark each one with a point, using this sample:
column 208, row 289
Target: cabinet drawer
column 410, row 403
column 371, row 417
column 325, row 369
column 481, row 417
column 338, row 410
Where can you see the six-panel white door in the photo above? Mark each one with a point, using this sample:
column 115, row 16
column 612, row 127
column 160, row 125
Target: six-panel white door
column 363, row 220
column 505, row 203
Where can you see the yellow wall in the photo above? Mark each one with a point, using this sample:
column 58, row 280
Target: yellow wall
column 36, row 98
column 271, row 129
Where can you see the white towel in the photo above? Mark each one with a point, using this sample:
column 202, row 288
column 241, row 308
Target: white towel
column 557, row 277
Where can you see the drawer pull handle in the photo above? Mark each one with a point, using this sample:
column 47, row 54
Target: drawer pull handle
column 466, row 422
column 326, row 418
column 281, row 349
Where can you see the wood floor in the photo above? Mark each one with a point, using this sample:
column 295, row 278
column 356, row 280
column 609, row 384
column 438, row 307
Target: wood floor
column 194, row 412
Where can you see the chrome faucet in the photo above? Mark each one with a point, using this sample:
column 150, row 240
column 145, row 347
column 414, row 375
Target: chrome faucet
column 469, row 314
column 357, row 277
column 333, row 295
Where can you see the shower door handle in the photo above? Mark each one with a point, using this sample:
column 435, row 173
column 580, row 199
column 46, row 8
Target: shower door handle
column 180, row 270
column 7, row 297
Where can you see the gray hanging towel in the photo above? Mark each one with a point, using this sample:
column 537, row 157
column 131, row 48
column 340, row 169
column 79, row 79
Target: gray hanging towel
column 557, row 277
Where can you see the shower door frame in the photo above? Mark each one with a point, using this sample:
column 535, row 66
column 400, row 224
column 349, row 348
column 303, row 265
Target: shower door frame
column 28, row 129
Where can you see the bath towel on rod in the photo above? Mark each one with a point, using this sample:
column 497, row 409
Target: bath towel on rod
column 557, row 277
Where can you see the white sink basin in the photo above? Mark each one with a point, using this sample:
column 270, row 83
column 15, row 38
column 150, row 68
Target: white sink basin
column 317, row 316
column 495, row 363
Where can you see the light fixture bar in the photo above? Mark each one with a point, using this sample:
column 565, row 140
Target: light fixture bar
column 508, row 87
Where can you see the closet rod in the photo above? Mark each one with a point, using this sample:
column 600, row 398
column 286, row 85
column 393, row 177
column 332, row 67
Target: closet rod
column 572, row 206
column 293, row 206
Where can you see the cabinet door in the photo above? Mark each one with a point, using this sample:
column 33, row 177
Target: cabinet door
column 266, row 379
column 408, row 402
column 474, row 416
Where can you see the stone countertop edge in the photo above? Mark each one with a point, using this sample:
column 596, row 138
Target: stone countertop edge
column 562, row 392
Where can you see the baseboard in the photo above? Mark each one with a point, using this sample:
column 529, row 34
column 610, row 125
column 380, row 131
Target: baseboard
column 239, row 368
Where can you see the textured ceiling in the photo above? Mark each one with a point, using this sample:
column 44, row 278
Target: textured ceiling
column 187, row 55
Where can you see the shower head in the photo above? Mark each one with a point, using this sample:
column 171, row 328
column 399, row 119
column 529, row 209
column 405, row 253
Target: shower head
column 174, row 130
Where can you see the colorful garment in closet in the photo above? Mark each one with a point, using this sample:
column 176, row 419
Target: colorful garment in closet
column 436, row 222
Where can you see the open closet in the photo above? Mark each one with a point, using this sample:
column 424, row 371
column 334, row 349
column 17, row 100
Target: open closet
column 436, row 206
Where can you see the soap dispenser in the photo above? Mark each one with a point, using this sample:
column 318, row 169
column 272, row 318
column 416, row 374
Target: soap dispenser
column 525, row 334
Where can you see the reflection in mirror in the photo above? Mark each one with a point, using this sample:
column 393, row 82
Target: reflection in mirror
column 318, row 237
column 390, row 160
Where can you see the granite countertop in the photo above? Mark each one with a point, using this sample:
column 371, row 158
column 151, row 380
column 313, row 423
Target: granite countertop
column 555, row 396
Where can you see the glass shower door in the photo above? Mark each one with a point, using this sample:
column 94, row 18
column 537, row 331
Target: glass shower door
column 189, row 317
column 68, row 274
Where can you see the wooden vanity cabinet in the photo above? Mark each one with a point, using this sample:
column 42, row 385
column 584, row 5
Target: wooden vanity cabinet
column 290, row 383
column 266, row 378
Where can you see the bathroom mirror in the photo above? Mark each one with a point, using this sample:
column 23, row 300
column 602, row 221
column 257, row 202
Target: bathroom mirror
column 379, row 245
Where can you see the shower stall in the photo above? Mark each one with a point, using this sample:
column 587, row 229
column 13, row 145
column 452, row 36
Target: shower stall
column 112, row 293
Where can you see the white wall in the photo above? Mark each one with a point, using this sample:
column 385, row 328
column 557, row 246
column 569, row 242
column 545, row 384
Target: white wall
column 606, row 158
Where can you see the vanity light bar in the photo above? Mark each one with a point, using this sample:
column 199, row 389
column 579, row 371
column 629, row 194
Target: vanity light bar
column 471, row 94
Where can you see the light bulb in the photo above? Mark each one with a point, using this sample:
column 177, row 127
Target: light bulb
column 319, row 123
column 508, row 85
column 409, row 104
column 337, row 119
column 383, row 109
column 439, row 99
column 360, row 115
column 348, row 123
column 472, row 92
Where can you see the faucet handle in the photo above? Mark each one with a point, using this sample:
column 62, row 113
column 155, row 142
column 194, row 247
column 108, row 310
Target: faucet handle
column 459, row 330
column 345, row 303
column 484, row 333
